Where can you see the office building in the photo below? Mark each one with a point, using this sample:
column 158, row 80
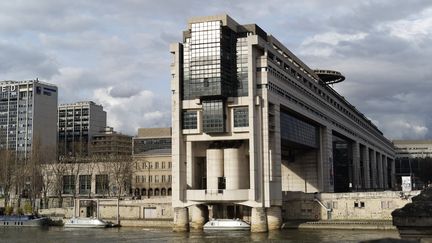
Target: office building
column 251, row 120
column 77, row 123
column 28, row 116
column 111, row 143
column 414, row 159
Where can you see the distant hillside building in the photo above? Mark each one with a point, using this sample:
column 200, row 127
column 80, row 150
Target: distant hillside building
column 28, row 117
column 109, row 142
column 152, row 162
column 77, row 123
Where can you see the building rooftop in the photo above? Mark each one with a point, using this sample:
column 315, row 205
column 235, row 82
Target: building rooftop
column 154, row 132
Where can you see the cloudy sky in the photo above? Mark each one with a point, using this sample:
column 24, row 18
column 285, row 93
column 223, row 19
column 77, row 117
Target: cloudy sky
column 116, row 52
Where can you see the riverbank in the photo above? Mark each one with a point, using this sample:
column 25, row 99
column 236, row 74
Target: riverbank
column 341, row 224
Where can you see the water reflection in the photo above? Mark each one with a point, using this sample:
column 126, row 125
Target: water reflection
column 59, row 234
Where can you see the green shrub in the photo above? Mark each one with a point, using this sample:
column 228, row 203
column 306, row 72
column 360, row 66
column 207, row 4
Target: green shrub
column 9, row 210
column 28, row 208
column 20, row 211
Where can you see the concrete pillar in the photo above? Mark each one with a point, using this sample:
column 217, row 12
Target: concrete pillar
column 258, row 220
column 215, row 167
column 233, row 169
column 366, row 167
column 181, row 219
column 199, row 216
column 385, row 170
column 380, row 171
column 373, row 163
column 274, row 218
column 393, row 174
column 356, row 165
column 325, row 166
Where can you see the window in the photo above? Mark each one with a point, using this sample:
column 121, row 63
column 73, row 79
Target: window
column 163, row 164
column 156, row 178
column 213, row 116
column 69, row 184
column 101, row 184
column 241, row 117
column 169, row 178
column 84, row 184
column 137, row 179
column 169, row 165
column 189, row 120
column 150, row 178
column 143, row 178
column 163, row 178
column 157, row 165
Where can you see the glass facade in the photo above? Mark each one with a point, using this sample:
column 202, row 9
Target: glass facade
column 85, row 184
column 189, row 120
column 241, row 117
column 298, row 131
column 142, row 145
column 213, row 116
column 242, row 68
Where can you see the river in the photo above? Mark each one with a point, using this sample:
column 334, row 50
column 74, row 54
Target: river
column 132, row 234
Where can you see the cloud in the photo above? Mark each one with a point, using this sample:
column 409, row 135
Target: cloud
column 127, row 114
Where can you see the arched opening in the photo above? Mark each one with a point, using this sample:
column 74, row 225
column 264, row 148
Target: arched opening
column 150, row 192
column 156, row 192
column 163, row 192
column 136, row 192
column 169, row 191
column 143, row 192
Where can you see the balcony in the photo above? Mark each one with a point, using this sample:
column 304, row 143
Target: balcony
column 218, row 195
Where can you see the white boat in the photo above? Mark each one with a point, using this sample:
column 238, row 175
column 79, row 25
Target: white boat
column 226, row 224
column 85, row 223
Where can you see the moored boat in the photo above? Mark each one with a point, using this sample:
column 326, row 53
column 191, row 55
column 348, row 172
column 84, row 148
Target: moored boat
column 85, row 223
column 22, row 220
column 226, row 224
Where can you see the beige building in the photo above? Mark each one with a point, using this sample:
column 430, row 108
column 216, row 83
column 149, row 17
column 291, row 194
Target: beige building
column 251, row 120
column 152, row 163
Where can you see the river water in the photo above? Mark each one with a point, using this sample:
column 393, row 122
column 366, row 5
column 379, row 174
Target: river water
column 132, row 234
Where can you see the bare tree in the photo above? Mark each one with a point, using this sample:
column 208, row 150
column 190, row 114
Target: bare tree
column 120, row 170
column 7, row 172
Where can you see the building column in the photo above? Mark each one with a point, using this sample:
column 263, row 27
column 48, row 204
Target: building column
column 356, row 165
column 380, row 170
column 385, row 170
column 373, row 163
column 258, row 220
column 274, row 218
column 366, row 166
column 181, row 219
column 393, row 173
column 325, row 167
column 199, row 216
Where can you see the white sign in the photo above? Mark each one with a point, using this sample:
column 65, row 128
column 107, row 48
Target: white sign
column 11, row 88
column 406, row 183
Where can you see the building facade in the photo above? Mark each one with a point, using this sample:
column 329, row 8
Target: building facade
column 77, row 123
column 414, row 159
column 28, row 116
column 111, row 143
column 152, row 163
column 251, row 120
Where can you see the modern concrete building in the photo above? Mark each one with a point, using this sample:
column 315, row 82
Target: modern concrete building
column 28, row 116
column 152, row 163
column 77, row 123
column 251, row 120
column 414, row 158
column 110, row 143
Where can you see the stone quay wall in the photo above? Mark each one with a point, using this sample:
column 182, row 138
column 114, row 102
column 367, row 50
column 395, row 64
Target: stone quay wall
column 343, row 206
